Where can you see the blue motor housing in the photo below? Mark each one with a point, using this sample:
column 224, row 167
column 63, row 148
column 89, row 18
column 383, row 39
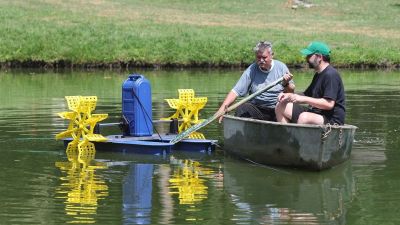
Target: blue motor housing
column 137, row 106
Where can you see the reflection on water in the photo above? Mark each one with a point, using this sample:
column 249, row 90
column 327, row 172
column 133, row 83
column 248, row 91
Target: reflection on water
column 186, row 183
column 137, row 192
column 80, row 186
column 182, row 184
column 190, row 182
column 280, row 197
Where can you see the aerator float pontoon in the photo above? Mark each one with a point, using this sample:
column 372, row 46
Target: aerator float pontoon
column 137, row 135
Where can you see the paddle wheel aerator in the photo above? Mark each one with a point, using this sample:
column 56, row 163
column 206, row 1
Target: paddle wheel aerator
column 187, row 111
column 136, row 123
column 82, row 123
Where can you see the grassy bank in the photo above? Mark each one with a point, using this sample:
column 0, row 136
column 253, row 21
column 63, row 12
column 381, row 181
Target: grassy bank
column 193, row 33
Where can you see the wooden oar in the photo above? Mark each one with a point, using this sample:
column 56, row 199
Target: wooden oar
column 185, row 133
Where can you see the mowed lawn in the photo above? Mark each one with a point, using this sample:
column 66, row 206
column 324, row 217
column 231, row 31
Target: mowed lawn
column 195, row 32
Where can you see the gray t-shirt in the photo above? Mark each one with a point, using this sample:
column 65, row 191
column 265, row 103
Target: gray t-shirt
column 253, row 78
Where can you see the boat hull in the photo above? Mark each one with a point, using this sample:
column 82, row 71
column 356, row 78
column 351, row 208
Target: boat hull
column 314, row 147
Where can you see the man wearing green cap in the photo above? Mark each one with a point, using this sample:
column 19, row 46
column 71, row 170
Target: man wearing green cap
column 324, row 96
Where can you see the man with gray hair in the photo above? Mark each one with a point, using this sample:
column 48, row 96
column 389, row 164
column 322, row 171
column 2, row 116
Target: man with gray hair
column 259, row 74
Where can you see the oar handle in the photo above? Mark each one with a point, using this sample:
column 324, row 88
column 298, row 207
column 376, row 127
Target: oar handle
column 185, row 133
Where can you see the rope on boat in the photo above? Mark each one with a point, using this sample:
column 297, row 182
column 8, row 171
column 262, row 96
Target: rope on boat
column 262, row 165
column 328, row 129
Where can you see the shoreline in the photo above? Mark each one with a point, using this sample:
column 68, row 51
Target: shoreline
column 64, row 64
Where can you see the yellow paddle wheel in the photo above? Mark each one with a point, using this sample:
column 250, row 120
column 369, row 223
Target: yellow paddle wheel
column 82, row 124
column 187, row 108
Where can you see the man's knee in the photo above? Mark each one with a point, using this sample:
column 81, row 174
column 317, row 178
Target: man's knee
column 310, row 118
column 280, row 107
column 303, row 118
column 285, row 109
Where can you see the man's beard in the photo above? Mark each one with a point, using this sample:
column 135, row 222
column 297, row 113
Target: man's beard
column 314, row 64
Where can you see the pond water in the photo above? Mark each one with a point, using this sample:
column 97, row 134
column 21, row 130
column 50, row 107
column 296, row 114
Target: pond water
column 40, row 184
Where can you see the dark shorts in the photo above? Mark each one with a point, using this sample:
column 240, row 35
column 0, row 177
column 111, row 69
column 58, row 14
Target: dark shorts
column 298, row 109
column 253, row 111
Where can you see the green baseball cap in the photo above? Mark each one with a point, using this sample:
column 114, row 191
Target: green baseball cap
column 316, row 47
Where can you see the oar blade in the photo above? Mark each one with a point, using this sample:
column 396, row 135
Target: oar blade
column 192, row 129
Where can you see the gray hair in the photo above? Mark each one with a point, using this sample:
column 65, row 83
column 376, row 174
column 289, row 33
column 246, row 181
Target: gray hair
column 262, row 45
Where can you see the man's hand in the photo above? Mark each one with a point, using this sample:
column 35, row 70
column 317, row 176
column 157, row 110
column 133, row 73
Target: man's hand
column 289, row 97
column 224, row 106
column 286, row 78
column 221, row 111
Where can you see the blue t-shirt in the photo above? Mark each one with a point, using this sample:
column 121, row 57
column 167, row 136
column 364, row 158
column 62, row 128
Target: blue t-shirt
column 253, row 78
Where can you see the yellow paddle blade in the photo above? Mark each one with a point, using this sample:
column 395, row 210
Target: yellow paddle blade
column 64, row 134
column 67, row 115
column 196, row 135
column 96, row 137
column 185, row 95
column 95, row 118
column 88, row 103
column 173, row 103
column 73, row 102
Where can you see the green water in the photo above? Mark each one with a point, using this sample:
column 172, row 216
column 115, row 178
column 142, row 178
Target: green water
column 41, row 185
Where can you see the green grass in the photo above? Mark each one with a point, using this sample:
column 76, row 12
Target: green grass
column 193, row 32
